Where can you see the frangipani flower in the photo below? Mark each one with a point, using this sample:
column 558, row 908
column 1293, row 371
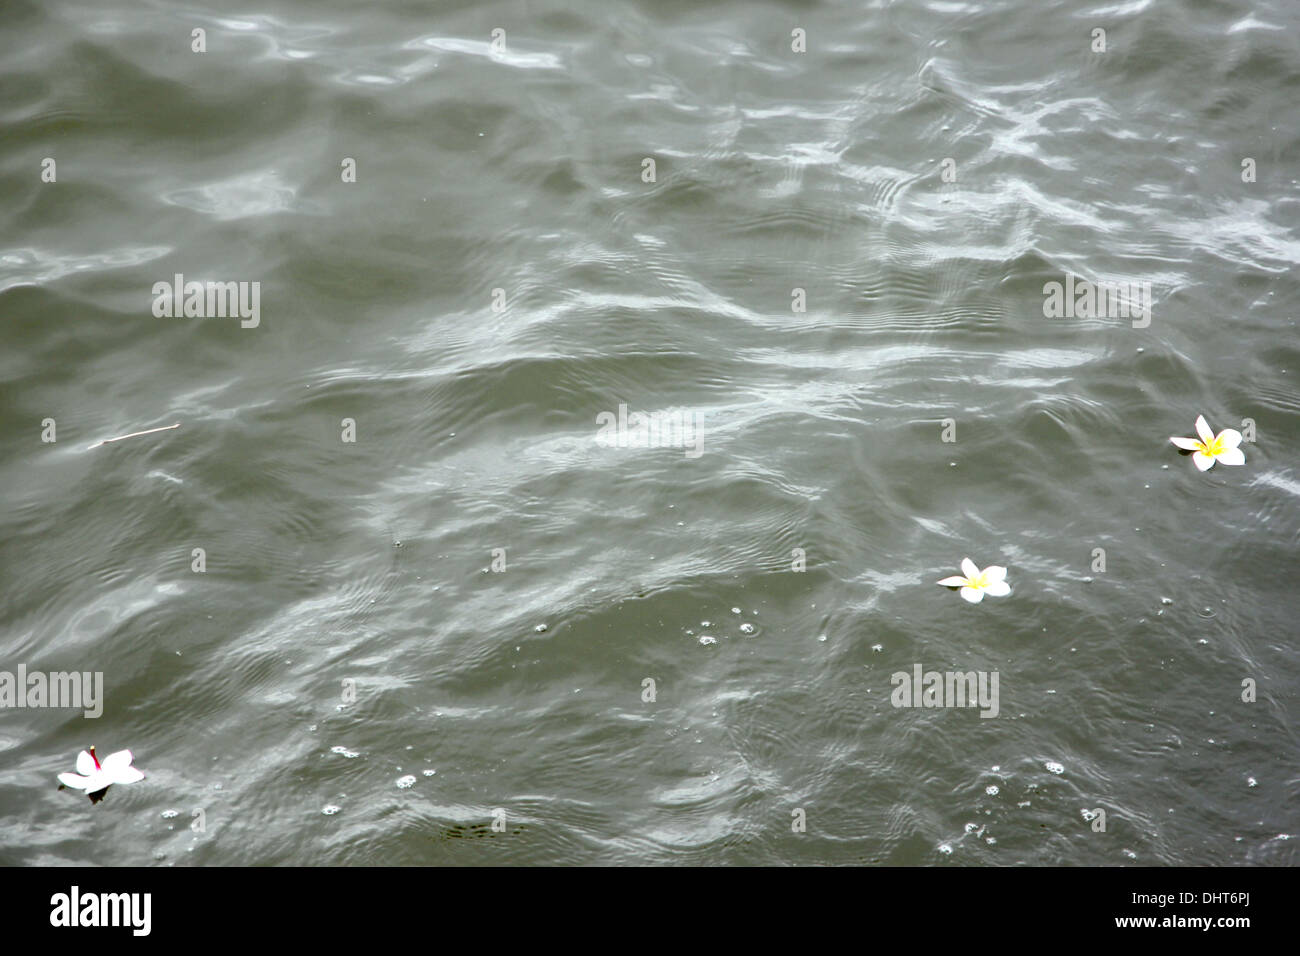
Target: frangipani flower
column 977, row 583
column 1211, row 448
column 95, row 777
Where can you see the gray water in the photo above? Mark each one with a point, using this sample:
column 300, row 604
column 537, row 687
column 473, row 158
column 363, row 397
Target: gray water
column 477, row 586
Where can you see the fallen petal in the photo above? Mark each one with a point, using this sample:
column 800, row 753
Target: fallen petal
column 1203, row 429
column 1233, row 456
column 1202, row 461
column 1186, row 444
column 974, row 595
column 956, row 581
column 999, row 589
column 969, row 568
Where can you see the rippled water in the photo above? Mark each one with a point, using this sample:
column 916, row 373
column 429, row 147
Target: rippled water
column 517, row 164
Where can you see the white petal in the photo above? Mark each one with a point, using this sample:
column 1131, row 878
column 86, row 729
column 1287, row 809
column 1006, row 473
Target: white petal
column 956, row 581
column 974, row 595
column 1202, row 461
column 85, row 763
column 1203, row 429
column 122, row 758
column 1186, row 444
column 74, row 781
column 1233, row 456
column 1230, row 437
column 126, row 775
column 994, row 573
column 999, row 589
column 969, row 568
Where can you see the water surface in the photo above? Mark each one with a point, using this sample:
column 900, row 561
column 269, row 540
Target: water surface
column 520, row 169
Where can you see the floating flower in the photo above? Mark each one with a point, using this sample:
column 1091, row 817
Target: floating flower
column 95, row 778
column 977, row 583
column 1211, row 447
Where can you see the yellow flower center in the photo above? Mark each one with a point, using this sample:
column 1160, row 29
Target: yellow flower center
column 980, row 581
column 1213, row 447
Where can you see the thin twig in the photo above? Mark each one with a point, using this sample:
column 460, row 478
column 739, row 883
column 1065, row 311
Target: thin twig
column 148, row 431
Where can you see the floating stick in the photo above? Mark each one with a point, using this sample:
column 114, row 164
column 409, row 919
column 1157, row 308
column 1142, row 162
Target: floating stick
column 148, row 431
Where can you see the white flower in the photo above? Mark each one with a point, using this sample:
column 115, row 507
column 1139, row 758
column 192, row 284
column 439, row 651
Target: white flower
column 1211, row 447
column 976, row 583
column 95, row 777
